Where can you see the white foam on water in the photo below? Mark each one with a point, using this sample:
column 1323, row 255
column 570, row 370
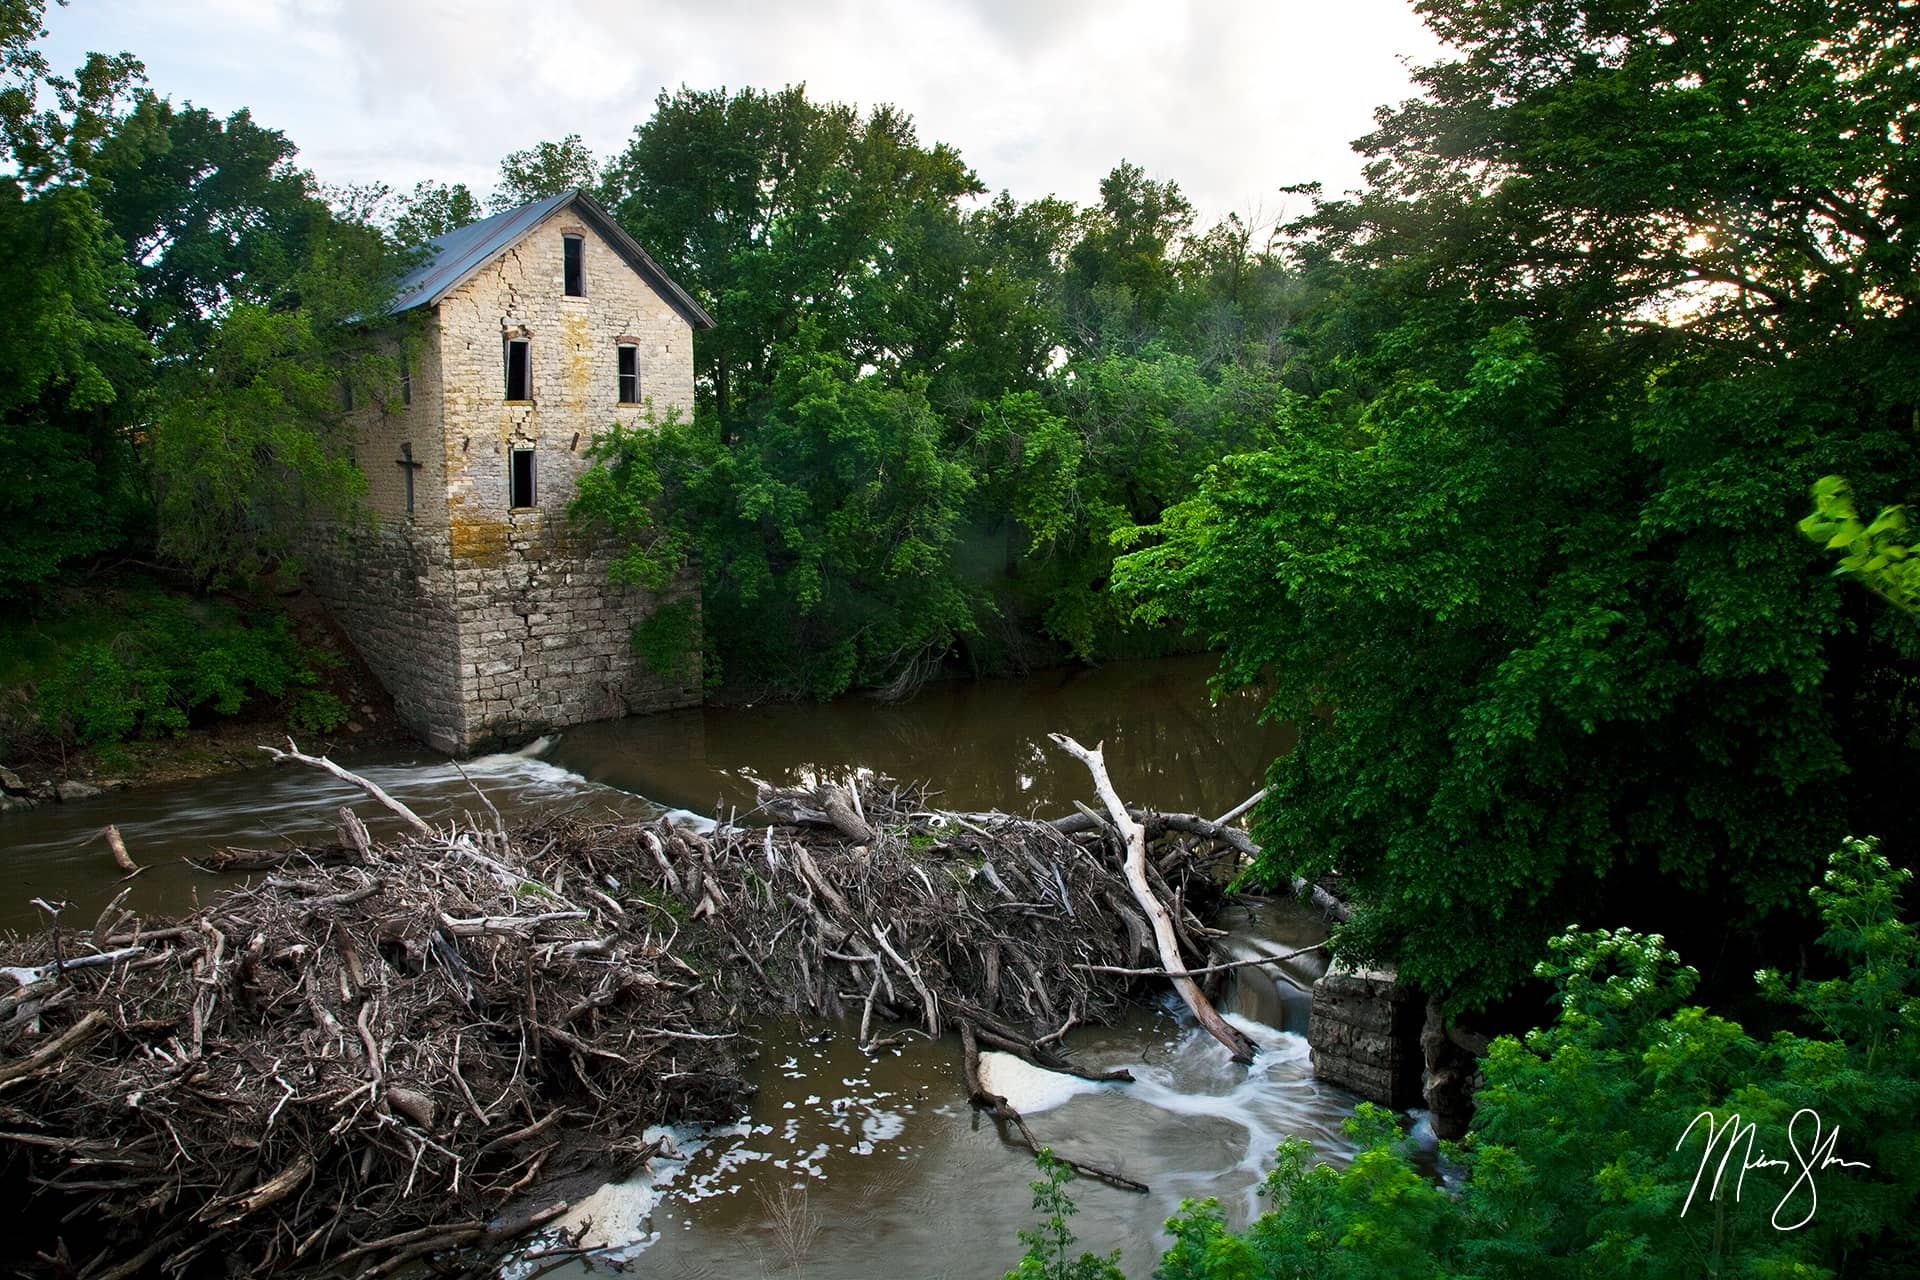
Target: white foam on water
column 616, row 1220
column 1028, row 1088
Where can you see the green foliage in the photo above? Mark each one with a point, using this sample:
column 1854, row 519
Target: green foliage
column 543, row 170
column 774, row 210
column 135, row 661
column 1514, row 558
column 1377, row 1217
column 433, row 209
column 1050, row 1243
column 1591, row 1153
column 824, row 541
column 188, row 292
column 1879, row 554
column 668, row 640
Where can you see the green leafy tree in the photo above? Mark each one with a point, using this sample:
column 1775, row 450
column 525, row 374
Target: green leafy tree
column 433, row 209
column 774, row 210
column 545, row 169
column 1515, row 560
column 1120, row 274
column 69, row 384
column 824, row 540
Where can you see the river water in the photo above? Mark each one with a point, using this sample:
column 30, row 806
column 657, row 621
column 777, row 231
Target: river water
column 844, row 1165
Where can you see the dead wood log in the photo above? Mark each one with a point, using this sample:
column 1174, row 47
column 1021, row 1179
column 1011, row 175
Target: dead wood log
column 841, row 812
column 1135, row 837
column 78, row 1034
column 1000, row 1109
column 121, row 858
column 294, row 754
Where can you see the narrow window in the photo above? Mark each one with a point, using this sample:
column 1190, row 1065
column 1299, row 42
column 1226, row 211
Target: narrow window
column 346, row 395
column 575, row 269
column 408, row 466
column 520, row 479
column 519, row 373
column 629, row 374
column 406, row 384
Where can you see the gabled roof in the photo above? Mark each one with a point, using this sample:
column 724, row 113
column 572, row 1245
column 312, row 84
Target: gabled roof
column 450, row 260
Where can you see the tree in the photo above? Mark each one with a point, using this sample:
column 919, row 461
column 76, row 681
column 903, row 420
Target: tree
column 433, row 209
column 1120, row 271
column 824, row 540
column 69, row 386
column 773, row 209
column 545, row 169
column 1516, row 564
column 194, row 303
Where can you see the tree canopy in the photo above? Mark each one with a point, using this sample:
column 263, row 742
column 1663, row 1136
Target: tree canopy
column 1521, row 560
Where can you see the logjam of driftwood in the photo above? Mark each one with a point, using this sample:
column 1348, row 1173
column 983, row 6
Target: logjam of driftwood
column 389, row 1049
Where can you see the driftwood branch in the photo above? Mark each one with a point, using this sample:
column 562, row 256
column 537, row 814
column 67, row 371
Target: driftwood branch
column 296, row 756
column 1135, row 837
column 121, row 858
column 1200, row 973
column 1000, row 1109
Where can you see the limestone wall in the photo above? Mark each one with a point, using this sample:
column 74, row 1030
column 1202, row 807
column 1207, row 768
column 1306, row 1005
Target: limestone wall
column 391, row 587
column 546, row 639
column 1364, row 1030
column 490, row 624
column 387, row 418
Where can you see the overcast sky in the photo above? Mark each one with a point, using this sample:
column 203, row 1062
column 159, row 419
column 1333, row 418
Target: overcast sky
column 1231, row 100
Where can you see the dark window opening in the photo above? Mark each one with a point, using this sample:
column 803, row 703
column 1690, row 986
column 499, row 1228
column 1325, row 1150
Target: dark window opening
column 407, row 467
column 576, row 269
column 346, row 396
column 629, row 375
column 406, row 385
column 519, row 370
column 520, row 479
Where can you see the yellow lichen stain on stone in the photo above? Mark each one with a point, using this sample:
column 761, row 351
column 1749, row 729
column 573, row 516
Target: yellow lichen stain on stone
column 576, row 339
column 480, row 543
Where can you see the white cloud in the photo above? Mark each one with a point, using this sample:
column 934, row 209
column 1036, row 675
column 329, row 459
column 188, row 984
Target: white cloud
column 1231, row 100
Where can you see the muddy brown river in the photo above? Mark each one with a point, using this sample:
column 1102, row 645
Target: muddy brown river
column 844, row 1165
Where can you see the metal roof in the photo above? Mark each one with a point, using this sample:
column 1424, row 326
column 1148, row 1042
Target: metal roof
column 449, row 260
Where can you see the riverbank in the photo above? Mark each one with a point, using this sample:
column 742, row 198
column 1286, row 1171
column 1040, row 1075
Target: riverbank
column 134, row 683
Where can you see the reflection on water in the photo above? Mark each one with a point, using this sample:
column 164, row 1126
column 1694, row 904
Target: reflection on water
column 982, row 745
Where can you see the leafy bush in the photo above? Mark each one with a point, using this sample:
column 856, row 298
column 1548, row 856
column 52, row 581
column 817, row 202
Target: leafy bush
column 139, row 662
column 1594, row 1151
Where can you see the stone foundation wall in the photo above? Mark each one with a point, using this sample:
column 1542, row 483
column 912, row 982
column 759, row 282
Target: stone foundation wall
column 391, row 588
column 503, row 643
column 547, row 641
column 1364, row 1030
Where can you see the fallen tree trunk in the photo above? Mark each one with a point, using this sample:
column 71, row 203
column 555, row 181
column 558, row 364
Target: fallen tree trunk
column 1134, row 838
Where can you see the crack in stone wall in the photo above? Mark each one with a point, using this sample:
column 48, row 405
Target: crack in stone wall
column 491, row 624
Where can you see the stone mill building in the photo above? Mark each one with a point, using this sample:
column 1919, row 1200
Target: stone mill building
column 484, row 615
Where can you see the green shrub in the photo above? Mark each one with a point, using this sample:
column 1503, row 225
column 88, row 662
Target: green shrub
column 136, row 661
column 1589, row 1154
